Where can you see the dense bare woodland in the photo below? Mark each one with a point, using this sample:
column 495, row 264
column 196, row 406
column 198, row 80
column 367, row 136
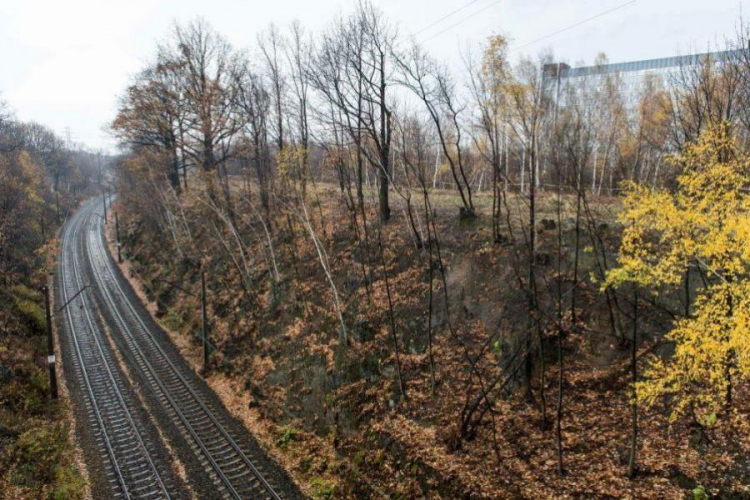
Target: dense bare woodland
column 42, row 177
column 415, row 274
column 424, row 283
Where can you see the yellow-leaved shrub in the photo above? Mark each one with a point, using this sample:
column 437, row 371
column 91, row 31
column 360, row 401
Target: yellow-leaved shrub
column 704, row 223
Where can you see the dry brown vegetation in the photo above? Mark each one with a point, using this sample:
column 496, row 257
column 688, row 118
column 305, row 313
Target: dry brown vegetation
column 410, row 270
column 39, row 177
column 333, row 411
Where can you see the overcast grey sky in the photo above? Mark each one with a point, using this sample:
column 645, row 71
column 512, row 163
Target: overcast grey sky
column 63, row 62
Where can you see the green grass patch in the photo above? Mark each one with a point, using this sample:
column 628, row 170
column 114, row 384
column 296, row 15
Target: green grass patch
column 29, row 304
column 286, row 436
column 24, row 292
column 322, row 489
column 69, row 484
column 39, row 464
column 172, row 322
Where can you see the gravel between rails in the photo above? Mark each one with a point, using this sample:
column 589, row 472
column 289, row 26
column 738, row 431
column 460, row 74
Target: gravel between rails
column 220, row 457
column 122, row 448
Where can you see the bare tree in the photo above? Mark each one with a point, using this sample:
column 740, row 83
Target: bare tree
column 434, row 87
column 254, row 101
column 271, row 43
column 209, row 70
column 298, row 51
column 150, row 113
column 487, row 85
column 352, row 72
column 529, row 105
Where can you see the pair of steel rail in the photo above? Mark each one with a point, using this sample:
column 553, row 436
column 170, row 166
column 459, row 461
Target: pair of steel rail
column 134, row 472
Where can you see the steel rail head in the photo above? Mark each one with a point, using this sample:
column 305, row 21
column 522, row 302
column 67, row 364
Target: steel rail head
column 107, row 264
column 108, row 444
column 81, row 219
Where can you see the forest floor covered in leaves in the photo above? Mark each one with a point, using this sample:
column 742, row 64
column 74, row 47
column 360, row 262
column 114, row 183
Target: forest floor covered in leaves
column 331, row 411
column 38, row 454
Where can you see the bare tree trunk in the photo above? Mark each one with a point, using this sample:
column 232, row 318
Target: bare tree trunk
column 634, row 402
column 431, row 277
column 533, row 305
column 392, row 316
column 523, row 169
column 437, row 167
column 385, row 144
column 558, row 427
column 577, row 250
column 323, row 257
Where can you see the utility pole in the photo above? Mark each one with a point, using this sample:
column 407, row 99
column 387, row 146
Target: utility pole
column 50, row 346
column 104, row 199
column 117, row 233
column 204, row 326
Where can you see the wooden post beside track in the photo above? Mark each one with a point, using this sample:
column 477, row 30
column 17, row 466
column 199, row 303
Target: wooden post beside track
column 50, row 346
column 117, row 233
column 104, row 199
column 204, row 326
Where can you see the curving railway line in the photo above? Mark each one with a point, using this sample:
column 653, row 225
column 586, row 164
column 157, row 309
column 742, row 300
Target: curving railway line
column 121, row 438
column 223, row 461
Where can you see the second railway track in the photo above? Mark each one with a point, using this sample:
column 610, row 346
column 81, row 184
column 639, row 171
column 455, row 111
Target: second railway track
column 234, row 467
column 132, row 471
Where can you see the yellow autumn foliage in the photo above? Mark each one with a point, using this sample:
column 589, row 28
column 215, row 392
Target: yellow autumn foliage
column 705, row 223
column 290, row 162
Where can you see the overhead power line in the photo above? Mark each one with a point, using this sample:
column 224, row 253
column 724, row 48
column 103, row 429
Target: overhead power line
column 604, row 13
column 462, row 21
column 456, row 11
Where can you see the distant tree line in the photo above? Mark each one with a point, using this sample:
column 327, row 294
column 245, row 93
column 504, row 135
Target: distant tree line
column 41, row 179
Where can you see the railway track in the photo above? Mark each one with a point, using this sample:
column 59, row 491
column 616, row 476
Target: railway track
column 122, row 441
column 233, row 466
